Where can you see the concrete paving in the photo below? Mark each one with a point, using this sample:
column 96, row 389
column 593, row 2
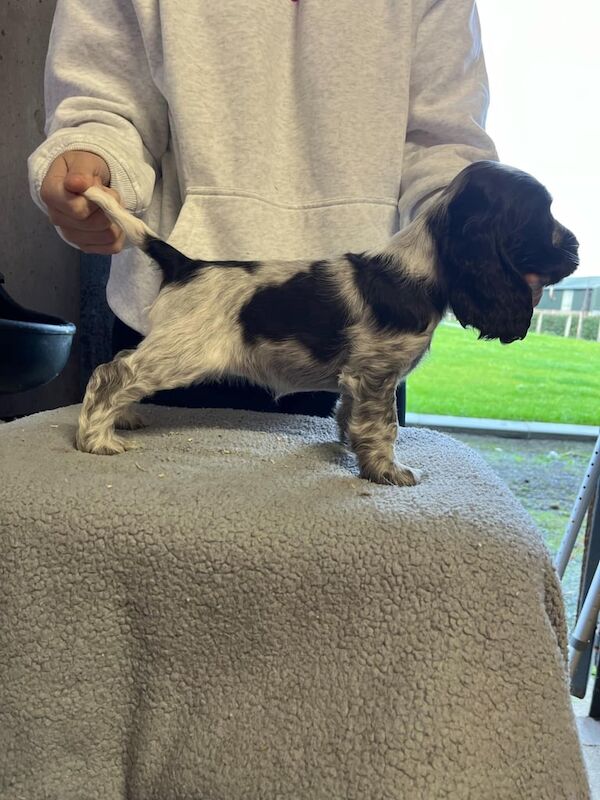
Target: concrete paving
column 504, row 427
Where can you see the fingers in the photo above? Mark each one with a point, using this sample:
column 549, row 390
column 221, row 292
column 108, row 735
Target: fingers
column 90, row 229
column 106, row 243
column 80, row 221
column 69, row 175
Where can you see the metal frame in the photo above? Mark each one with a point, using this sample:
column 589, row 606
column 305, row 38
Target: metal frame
column 581, row 641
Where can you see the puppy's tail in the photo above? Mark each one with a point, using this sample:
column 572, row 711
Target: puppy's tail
column 172, row 263
column 136, row 231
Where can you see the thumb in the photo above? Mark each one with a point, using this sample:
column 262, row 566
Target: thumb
column 77, row 182
column 85, row 170
column 69, row 175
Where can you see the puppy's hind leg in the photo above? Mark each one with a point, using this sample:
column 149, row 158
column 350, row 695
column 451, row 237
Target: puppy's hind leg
column 343, row 409
column 100, row 411
column 373, row 428
column 128, row 419
column 158, row 363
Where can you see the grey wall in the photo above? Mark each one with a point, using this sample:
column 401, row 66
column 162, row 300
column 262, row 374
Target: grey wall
column 42, row 272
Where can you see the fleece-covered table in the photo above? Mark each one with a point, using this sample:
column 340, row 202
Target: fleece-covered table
column 228, row 612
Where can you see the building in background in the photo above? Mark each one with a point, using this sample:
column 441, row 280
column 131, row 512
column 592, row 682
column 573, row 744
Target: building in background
column 572, row 294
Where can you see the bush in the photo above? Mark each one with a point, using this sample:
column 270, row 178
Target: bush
column 591, row 327
column 555, row 324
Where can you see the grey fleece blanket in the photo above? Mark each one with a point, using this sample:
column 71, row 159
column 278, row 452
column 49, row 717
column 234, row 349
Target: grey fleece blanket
column 228, row 612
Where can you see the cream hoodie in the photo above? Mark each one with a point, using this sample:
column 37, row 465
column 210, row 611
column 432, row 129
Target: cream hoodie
column 254, row 129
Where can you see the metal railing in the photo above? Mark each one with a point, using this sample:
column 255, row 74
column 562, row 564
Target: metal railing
column 578, row 321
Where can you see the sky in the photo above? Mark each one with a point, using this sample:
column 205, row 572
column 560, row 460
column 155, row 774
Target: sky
column 543, row 63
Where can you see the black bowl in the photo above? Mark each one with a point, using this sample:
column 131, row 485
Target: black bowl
column 34, row 347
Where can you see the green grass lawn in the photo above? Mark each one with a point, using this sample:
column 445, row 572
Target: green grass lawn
column 544, row 378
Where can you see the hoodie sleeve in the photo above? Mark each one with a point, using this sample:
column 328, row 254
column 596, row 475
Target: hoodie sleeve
column 100, row 97
column 449, row 98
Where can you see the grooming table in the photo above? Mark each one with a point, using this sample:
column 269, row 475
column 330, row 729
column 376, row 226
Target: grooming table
column 228, row 612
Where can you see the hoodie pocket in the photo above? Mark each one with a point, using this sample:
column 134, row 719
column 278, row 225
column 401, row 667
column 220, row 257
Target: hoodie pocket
column 233, row 226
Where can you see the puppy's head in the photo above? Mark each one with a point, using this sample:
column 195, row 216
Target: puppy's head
column 492, row 226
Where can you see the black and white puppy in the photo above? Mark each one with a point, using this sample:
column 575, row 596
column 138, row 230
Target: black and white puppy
column 356, row 324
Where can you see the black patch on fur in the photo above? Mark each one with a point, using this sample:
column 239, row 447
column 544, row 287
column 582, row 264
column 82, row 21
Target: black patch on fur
column 484, row 289
column 495, row 228
column 178, row 268
column 305, row 308
column 397, row 301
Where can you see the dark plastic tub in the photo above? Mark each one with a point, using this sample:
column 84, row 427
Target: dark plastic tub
column 34, row 347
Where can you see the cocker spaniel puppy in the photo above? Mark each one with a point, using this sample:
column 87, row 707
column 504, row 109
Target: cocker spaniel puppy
column 356, row 324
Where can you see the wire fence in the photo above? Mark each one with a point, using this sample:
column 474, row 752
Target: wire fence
column 570, row 324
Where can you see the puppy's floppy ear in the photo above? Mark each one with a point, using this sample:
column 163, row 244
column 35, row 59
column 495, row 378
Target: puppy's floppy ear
column 484, row 289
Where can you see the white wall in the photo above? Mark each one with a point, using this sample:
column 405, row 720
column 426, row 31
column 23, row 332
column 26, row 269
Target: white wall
column 543, row 60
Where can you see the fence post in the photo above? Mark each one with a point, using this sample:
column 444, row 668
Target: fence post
column 568, row 326
column 538, row 324
column 579, row 326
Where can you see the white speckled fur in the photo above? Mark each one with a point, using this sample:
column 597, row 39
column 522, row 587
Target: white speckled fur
column 197, row 330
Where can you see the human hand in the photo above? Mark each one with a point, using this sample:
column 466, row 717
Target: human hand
column 81, row 222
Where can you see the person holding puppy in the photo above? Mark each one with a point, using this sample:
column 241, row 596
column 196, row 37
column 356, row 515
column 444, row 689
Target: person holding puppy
column 265, row 130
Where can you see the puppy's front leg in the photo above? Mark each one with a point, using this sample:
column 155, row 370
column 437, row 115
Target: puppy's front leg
column 372, row 429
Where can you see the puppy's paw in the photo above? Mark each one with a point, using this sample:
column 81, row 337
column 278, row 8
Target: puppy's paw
column 394, row 475
column 130, row 421
column 101, row 444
